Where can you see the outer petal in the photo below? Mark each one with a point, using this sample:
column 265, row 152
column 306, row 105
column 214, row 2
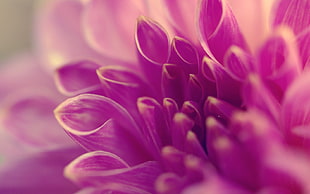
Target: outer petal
column 218, row 28
column 98, row 123
column 293, row 113
column 294, row 13
column 182, row 15
column 77, row 78
column 58, row 35
column 109, row 26
column 102, row 169
column 38, row 173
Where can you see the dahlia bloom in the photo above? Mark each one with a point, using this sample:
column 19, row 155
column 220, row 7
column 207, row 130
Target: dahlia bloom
column 182, row 96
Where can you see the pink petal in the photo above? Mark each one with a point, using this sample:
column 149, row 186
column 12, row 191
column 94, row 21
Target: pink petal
column 220, row 109
column 109, row 26
column 174, row 83
column 257, row 95
column 58, row 34
column 123, row 85
column 238, row 62
column 253, row 17
column 181, row 15
column 227, row 88
column 294, row 13
column 196, row 89
column 25, row 175
column 180, row 126
column 229, row 156
column 77, row 78
column 296, row 104
column 184, row 53
column 153, row 48
column 108, row 170
column 155, row 128
column 279, row 59
column 98, row 123
column 303, row 40
column 170, row 108
column 218, row 29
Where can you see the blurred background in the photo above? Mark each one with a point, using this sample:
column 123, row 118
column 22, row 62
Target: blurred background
column 16, row 18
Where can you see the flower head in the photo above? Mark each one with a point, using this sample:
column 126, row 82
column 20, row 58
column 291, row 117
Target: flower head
column 175, row 97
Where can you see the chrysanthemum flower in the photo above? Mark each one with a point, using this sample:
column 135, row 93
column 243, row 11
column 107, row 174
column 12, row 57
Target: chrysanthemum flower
column 175, row 97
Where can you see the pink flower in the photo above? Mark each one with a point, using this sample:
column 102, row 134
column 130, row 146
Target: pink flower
column 175, row 97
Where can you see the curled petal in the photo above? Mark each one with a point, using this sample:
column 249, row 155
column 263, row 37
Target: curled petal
column 231, row 158
column 116, row 21
column 155, row 128
column 174, row 83
column 77, row 78
column 218, row 28
column 279, row 59
column 122, row 85
column 238, row 62
column 193, row 146
column 152, row 41
column 180, row 127
column 196, row 91
column 98, row 123
column 173, row 160
column 103, row 168
column 227, row 88
column 221, row 110
column 153, row 47
column 184, row 54
column 170, row 108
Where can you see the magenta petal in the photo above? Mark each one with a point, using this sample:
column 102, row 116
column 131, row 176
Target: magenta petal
column 103, row 168
column 39, row 173
column 152, row 41
column 196, row 90
column 181, row 15
column 193, row 146
column 173, row 160
column 122, row 85
column 174, row 83
column 59, row 34
column 180, row 127
column 303, row 41
column 256, row 94
column 153, row 49
column 279, row 59
column 155, row 128
column 77, row 78
column 184, row 54
column 218, row 28
column 109, row 26
column 168, row 183
column 170, row 108
column 227, row 88
column 296, row 104
column 238, row 62
column 294, row 13
column 230, row 157
column 98, row 123
column 219, row 109
column 21, row 119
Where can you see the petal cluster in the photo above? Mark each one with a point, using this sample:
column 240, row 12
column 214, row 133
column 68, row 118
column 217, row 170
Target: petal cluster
column 175, row 97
